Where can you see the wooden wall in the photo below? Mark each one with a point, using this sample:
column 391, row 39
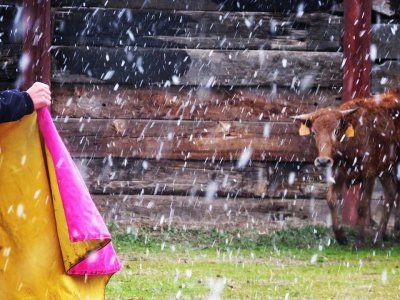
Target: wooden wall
column 177, row 112
column 10, row 43
column 385, row 41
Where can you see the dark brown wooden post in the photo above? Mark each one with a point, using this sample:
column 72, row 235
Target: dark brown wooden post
column 357, row 70
column 36, row 64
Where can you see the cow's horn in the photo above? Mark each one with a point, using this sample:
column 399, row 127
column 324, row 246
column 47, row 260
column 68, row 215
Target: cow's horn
column 303, row 117
column 348, row 111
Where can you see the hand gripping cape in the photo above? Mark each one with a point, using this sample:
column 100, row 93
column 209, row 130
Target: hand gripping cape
column 53, row 241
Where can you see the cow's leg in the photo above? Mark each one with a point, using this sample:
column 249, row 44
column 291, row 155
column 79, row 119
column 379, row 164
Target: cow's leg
column 396, row 175
column 363, row 210
column 389, row 185
column 397, row 217
column 397, row 210
column 332, row 203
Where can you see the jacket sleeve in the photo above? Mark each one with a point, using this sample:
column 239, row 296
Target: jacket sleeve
column 14, row 105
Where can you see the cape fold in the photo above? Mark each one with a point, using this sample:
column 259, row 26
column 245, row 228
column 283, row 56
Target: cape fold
column 85, row 241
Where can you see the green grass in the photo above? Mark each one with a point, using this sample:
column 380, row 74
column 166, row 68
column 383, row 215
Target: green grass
column 293, row 263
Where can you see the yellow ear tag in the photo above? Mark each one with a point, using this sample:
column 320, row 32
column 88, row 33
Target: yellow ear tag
column 304, row 130
column 350, row 131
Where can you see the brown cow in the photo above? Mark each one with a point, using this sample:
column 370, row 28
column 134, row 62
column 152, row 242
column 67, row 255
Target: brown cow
column 357, row 143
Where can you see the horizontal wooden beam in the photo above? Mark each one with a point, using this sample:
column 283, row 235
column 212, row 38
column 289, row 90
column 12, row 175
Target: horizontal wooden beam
column 193, row 178
column 385, row 7
column 164, row 67
column 196, row 29
column 204, row 5
column 384, row 75
column 128, row 24
column 186, row 140
column 196, row 212
column 131, row 212
column 302, row 70
column 246, row 104
column 289, row 43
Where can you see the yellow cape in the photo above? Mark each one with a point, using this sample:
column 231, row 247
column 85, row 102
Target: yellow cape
column 31, row 262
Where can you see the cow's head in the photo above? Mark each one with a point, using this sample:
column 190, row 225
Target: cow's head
column 330, row 127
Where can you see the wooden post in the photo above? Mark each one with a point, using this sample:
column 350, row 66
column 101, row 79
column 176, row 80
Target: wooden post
column 357, row 70
column 36, row 65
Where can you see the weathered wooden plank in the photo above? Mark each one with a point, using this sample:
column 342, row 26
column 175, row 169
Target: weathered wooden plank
column 131, row 212
column 207, row 141
column 289, row 43
column 9, row 56
column 165, row 67
column 246, row 104
column 123, row 26
column 325, row 33
column 296, row 6
column 386, row 76
column 216, row 30
column 191, row 178
column 197, row 212
column 385, row 7
column 10, row 24
column 385, row 41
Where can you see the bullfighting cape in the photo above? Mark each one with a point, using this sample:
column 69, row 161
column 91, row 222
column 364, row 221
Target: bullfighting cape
column 53, row 241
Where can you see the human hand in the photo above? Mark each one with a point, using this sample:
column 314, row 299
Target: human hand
column 40, row 95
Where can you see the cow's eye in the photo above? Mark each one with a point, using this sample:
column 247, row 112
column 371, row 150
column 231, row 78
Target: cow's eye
column 336, row 132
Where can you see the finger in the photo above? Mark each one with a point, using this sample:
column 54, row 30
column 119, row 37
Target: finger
column 48, row 99
column 43, row 96
column 41, row 88
column 37, row 85
column 46, row 93
column 44, row 88
column 41, row 84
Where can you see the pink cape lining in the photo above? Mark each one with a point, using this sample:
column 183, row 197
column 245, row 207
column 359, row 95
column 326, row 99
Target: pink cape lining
column 83, row 219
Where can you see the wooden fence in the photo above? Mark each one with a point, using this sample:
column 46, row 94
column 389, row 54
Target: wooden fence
column 177, row 112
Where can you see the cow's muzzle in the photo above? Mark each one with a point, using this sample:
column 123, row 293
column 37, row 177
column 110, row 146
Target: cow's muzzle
column 323, row 162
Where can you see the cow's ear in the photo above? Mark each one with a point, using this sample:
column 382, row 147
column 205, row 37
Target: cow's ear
column 304, row 129
column 350, row 131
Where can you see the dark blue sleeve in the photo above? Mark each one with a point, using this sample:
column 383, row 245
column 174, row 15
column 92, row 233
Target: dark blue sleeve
column 14, row 105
